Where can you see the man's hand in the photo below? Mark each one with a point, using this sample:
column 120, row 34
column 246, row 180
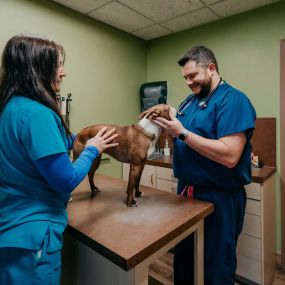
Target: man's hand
column 173, row 126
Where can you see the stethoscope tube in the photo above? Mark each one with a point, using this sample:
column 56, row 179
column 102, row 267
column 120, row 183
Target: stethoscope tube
column 203, row 104
column 185, row 104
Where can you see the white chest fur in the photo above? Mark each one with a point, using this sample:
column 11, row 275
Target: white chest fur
column 152, row 129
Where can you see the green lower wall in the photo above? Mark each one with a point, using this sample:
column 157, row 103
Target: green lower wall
column 105, row 67
column 247, row 48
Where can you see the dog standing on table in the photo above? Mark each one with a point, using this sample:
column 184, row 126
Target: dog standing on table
column 136, row 144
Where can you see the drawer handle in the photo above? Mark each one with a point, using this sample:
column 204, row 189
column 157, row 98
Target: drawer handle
column 151, row 179
column 173, row 178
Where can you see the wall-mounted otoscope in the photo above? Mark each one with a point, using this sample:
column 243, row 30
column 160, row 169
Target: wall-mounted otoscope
column 65, row 108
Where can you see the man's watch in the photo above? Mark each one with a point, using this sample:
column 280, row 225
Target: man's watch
column 182, row 136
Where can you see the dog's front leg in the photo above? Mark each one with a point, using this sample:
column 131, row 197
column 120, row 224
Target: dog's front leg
column 91, row 173
column 134, row 178
column 138, row 193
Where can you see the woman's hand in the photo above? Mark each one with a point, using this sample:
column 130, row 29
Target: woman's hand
column 172, row 127
column 103, row 139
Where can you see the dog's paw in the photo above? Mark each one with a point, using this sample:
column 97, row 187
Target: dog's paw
column 95, row 190
column 139, row 194
column 132, row 203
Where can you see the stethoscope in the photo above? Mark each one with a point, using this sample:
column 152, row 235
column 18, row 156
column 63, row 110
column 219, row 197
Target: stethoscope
column 203, row 104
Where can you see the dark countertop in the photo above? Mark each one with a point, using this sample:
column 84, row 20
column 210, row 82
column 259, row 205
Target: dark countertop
column 259, row 175
column 163, row 161
column 124, row 235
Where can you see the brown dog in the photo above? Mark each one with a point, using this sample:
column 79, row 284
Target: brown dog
column 136, row 144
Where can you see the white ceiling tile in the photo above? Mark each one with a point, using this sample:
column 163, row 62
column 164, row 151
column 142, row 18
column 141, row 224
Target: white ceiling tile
column 231, row 7
column 162, row 10
column 83, row 6
column 190, row 20
column 120, row 16
column 149, row 19
column 151, row 32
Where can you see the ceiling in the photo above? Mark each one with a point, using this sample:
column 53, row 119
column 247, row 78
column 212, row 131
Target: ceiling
column 150, row 19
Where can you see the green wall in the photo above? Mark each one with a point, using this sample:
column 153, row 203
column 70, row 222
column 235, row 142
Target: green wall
column 105, row 67
column 247, row 48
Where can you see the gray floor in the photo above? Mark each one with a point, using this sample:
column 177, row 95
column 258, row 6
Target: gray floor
column 161, row 272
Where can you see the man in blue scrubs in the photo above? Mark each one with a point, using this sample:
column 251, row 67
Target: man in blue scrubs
column 211, row 159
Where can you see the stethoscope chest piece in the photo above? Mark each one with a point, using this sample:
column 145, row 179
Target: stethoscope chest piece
column 203, row 104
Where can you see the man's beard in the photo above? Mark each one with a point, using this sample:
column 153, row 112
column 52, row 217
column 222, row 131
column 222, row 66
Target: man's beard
column 205, row 88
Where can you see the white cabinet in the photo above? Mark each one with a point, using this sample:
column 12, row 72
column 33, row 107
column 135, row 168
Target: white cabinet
column 126, row 169
column 256, row 245
column 165, row 179
column 148, row 177
column 156, row 177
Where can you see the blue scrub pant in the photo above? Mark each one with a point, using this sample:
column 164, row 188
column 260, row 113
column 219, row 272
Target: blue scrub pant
column 221, row 230
column 19, row 266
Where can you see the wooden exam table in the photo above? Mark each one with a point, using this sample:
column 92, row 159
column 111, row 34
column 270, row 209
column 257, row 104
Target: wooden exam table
column 107, row 243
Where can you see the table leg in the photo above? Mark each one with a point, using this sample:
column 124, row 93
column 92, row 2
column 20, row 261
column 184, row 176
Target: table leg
column 199, row 254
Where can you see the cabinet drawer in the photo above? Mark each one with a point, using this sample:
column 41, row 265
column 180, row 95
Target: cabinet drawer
column 252, row 225
column 253, row 207
column 249, row 246
column 249, row 268
column 253, row 191
column 165, row 185
column 148, row 177
column 165, row 173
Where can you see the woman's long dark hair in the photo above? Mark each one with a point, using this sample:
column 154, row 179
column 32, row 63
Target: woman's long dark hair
column 28, row 68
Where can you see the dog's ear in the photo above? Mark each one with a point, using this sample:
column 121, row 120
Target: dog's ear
column 149, row 114
column 142, row 114
column 153, row 114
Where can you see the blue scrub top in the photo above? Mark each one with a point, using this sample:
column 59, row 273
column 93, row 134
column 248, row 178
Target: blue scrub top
column 228, row 112
column 28, row 206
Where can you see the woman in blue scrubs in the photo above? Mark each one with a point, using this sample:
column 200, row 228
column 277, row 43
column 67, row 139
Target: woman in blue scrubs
column 211, row 159
column 36, row 175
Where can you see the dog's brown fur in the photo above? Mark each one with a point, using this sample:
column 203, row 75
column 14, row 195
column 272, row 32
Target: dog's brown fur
column 133, row 148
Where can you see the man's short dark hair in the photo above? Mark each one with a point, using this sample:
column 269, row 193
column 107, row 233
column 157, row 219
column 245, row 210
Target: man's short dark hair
column 199, row 54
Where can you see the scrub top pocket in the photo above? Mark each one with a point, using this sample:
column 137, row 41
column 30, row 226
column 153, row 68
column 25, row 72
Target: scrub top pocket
column 204, row 124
